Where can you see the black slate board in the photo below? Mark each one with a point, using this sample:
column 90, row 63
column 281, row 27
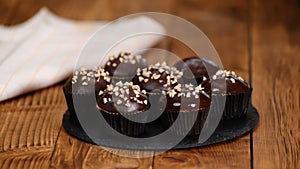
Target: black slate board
column 226, row 130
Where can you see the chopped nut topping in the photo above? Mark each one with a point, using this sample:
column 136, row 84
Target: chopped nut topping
column 89, row 75
column 123, row 57
column 187, row 90
column 127, row 104
column 155, row 76
column 125, row 93
column 171, row 74
column 240, row 78
column 119, row 83
column 231, row 75
column 105, row 100
column 110, row 87
column 141, row 78
column 144, row 92
column 171, row 93
column 146, row 73
column 119, row 102
column 112, row 57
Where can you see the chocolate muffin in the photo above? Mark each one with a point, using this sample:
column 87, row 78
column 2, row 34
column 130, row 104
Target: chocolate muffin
column 196, row 69
column 157, row 78
column 236, row 90
column 191, row 103
column 123, row 67
column 123, row 106
column 85, row 83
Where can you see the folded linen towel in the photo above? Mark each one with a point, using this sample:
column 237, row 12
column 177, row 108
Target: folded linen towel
column 46, row 48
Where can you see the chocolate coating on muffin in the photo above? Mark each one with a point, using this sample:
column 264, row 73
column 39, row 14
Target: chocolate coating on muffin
column 195, row 67
column 234, row 84
column 85, row 80
column 124, row 65
column 186, row 98
column 123, row 97
column 159, row 77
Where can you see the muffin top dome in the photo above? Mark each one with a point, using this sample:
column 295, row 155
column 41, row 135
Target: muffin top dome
column 186, row 98
column 194, row 67
column 88, row 80
column 234, row 84
column 124, row 65
column 123, row 98
column 159, row 77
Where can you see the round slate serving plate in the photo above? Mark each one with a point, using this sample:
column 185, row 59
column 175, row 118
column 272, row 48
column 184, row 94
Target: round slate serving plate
column 226, row 130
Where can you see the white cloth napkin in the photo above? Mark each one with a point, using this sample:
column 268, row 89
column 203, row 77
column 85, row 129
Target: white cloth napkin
column 44, row 50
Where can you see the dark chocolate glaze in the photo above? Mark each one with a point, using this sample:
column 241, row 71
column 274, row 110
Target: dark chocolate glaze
column 154, row 84
column 122, row 69
column 100, row 84
column 195, row 67
column 200, row 103
column 93, row 85
column 230, row 89
column 113, row 107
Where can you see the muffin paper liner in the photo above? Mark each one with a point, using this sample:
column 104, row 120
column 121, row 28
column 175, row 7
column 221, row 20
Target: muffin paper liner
column 69, row 96
column 116, row 121
column 125, row 126
column 236, row 106
column 168, row 118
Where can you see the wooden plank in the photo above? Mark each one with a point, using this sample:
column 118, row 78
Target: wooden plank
column 233, row 154
column 23, row 158
column 29, row 127
column 84, row 10
column 276, row 47
column 24, row 123
column 225, row 24
column 107, row 10
column 51, row 96
column 72, row 153
column 7, row 11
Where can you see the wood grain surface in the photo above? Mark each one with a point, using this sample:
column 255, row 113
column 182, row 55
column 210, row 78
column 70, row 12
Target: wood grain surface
column 275, row 62
column 260, row 40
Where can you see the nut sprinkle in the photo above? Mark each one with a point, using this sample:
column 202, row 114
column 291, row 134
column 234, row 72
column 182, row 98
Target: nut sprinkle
column 230, row 75
column 87, row 76
column 125, row 94
column 186, row 90
column 124, row 57
column 160, row 72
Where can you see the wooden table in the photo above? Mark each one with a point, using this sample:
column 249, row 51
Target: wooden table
column 260, row 40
